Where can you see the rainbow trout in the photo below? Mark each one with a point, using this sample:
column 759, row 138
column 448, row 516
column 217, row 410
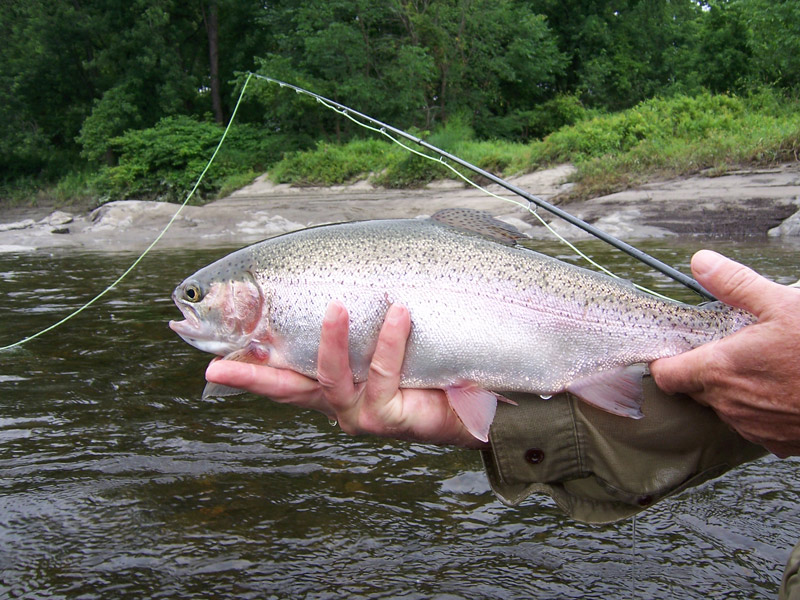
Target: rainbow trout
column 487, row 315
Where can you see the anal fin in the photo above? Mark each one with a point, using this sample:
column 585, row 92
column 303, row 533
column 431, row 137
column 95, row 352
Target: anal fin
column 475, row 408
column 618, row 391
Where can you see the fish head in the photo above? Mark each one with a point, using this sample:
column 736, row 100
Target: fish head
column 221, row 314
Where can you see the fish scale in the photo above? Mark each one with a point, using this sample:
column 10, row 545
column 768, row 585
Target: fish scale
column 486, row 314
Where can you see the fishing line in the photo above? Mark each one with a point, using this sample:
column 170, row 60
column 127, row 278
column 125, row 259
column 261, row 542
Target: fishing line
column 651, row 261
column 345, row 112
column 139, row 259
column 527, row 207
column 598, row 233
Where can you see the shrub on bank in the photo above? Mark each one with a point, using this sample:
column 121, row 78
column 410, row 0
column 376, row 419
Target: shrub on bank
column 674, row 136
column 662, row 137
column 163, row 162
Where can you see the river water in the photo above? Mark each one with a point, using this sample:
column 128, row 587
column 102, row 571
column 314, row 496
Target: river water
column 117, row 481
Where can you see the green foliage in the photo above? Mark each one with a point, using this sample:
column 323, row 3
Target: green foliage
column 82, row 84
column 774, row 41
column 412, row 171
column 723, row 62
column 537, row 122
column 111, row 116
column 457, row 138
column 674, row 136
column 332, row 164
column 389, row 165
column 235, row 181
column 164, row 161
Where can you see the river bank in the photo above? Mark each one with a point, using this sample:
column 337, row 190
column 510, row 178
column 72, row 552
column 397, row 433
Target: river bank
column 738, row 203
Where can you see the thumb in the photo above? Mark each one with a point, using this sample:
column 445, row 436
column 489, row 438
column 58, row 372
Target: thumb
column 681, row 373
column 731, row 282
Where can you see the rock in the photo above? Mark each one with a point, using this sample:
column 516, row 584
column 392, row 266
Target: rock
column 17, row 225
column 57, row 218
column 737, row 204
column 16, row 248
column 629, row 224
column 790, row 227
column 624, row 224
column 262, row 224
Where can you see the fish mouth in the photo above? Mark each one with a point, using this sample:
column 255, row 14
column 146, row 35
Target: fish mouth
column 185, row 328
column 195, row 332
column 191, row 324
column 190, row 329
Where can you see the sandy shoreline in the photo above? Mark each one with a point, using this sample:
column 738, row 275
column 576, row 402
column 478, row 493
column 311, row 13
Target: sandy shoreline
column 739, row 203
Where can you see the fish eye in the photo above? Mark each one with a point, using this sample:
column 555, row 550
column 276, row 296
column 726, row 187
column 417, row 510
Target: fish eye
column 192, row 292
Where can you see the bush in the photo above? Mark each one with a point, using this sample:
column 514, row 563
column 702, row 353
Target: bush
column 393, row 167
column 333, row 164
column 163, row 162
column 673, row 136
column 536, row 122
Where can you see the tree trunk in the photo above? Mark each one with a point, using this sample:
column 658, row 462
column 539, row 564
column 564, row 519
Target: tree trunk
column 212, row 28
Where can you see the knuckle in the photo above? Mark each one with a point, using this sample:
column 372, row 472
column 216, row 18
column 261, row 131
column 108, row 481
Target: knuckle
column 739, row 280
column 379, row 369
column 326, row 381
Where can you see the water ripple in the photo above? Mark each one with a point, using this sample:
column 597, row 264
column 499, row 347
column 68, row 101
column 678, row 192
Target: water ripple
column 116, row 480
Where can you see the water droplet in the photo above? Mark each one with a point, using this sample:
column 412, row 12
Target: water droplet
column 545, row 396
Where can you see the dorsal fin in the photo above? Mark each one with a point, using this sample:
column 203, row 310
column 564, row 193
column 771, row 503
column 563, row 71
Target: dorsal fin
column 482, row 223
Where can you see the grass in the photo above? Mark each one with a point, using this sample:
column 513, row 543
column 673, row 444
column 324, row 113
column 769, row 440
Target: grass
column 391, row 166
column 659, row 138
column 674, row 137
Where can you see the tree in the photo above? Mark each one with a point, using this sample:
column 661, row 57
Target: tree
column 414, row 62
column 77, row 74
column 211, row 18
column 723, row 59
column 623, row 51
column 774, row 39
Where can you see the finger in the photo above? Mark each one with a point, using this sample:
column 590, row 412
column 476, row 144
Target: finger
column 277, row 384
column 333, row 362
column 733, row 283
column 682, row 373
column 387, row 361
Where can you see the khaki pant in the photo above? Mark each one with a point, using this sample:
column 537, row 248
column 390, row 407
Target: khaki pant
column 601, row 468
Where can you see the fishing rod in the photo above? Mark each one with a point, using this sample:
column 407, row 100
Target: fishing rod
column 636, row 253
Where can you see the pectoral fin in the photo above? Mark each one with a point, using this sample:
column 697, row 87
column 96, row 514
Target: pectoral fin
column 251, row 354
column 217, row 390
column 618, row 391
column 474, row 406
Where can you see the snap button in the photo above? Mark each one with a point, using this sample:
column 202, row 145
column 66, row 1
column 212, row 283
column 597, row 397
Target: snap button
column 534, row 455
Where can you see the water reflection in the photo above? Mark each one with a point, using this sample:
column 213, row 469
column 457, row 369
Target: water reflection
column 117, row 481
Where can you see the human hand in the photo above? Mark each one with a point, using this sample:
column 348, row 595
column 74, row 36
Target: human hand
column 376, row 406
column 751, row 378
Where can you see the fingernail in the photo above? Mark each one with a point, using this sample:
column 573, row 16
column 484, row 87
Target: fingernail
column 395, row 314
column 705, row 261
column 334, row 311
column 211, row 368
